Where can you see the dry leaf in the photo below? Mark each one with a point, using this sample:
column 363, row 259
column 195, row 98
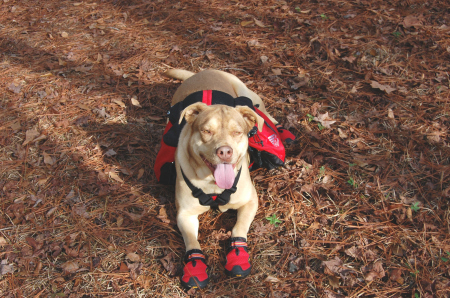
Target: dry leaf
column 386, row 88
column 5, row 268
column 342, row 134
column 271, row 278
column 119, row 102
column 396, row 275
column 2, row 241
column 114, row 176
column 324, row 119
column 15, row 125
column 390, row 114
column 246, row 23
column 101, row 113
column 30, row 135
column 374, row 271
column 259, row 23
column 163, row 215
column 135, row 102
column 264, row 59
column 70, row 267
column 155, row 118
column 133, row 257
column 276, row 71
column 15, row 87
column 412, row 21
column 64, row 34
column 119, row 221
column 48, row 159
column 110, row 152
column 140, row 173
column 84, row 107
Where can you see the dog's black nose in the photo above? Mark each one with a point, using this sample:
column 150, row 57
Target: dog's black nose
column 225, row 153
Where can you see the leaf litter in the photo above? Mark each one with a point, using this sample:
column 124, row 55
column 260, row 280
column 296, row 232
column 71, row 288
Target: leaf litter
column 363, row 204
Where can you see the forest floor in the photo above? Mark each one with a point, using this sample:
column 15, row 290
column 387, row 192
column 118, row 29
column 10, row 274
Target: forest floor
column 361, row 208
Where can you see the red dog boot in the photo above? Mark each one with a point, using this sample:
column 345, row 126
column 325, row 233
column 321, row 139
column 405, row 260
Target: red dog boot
column 285, row 135
column 194, row 272
column 238, row 264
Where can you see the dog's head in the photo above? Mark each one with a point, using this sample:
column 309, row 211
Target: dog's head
column 218, row 138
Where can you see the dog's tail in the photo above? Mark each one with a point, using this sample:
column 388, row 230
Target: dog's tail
column 179, row 74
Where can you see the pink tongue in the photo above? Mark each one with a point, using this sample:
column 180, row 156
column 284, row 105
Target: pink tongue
column 224, row 175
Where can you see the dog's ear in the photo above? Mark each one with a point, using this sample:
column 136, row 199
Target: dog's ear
column 251, row 117
column 191, row 112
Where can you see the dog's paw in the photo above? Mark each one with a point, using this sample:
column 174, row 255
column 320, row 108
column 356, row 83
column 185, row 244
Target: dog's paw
column 238, row 259
column 195, row 273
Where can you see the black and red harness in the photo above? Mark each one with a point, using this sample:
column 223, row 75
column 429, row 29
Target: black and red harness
column 265, row 147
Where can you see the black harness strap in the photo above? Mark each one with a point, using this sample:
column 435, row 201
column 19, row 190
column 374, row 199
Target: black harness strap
column 212, row 200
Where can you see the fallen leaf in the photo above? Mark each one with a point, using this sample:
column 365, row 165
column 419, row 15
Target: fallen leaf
column 271, row 278
column 324, row 119
column 246, row 23
column 101, row 112
column 84, row 107
column 133, row 257
column 155, row 118
column 15, row 87
column 276, row 71
column 259, row 23
column 390, row 114
column 334, row 281
column 15, row 125
column 5, row 268
column 140, row 173
column 334, row 266
column 70, row 267
column 412, row 21
column 342, row 134
column 163, row 215
column 135, row 102
column 119, row 102
column 110, row 152
column 135, row 269
column 119, row 221
column 396, row 275
column 48, row 159
column 169, row 263
column 114, row 176
column 386, row 88
column 81, row 211
column 30, row 135
column 2, row 241
column 373, row 271
column 64, row 34
column 264, row 59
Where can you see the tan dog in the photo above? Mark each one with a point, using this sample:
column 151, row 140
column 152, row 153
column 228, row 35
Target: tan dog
column 212, row 156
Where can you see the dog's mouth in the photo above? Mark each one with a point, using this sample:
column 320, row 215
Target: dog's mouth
column 222, row 172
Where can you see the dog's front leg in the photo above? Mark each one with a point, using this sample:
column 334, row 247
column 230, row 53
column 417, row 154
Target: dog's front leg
column 245, row 216
column 195, row 273
column 238, row 259
column 188, row 225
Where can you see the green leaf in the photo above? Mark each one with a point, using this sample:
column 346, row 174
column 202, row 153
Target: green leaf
column 273, row 220
column 415, row 207
column 444, row 259
column 310, row 117
column 297, row 9
column 324, row 17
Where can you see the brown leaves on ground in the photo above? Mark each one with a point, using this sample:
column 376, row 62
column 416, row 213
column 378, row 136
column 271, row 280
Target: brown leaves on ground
column 363, row 195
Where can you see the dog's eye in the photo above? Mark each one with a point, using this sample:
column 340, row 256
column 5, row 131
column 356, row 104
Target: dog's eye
column 237, row 133
column 206, row 131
